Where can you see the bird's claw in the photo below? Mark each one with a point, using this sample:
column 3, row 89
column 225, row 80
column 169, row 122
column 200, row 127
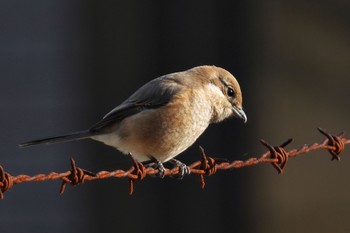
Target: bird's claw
column 183, row 169
column 156, row 165
column 161, row 170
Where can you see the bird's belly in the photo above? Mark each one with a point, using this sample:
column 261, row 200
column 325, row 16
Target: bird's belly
column 161, row 133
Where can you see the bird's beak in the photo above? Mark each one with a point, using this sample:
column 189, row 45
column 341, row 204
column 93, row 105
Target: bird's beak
column 240, row 113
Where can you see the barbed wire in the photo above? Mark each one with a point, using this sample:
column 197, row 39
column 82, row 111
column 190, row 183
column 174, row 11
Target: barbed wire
column 275, row 155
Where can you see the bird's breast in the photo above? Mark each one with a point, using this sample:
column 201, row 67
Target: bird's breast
column 164, row 132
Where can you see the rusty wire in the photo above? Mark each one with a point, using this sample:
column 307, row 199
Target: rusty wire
column 276, row 155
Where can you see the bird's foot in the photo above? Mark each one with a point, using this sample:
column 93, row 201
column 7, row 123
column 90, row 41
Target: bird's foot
column 153, row 163
column 183, row 169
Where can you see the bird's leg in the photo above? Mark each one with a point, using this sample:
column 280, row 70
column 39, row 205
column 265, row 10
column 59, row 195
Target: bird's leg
column 183, row 168
column 154, row 163
column 148, row 163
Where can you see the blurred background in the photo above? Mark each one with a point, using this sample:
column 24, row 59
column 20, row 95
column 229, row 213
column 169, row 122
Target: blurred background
column 64, row 64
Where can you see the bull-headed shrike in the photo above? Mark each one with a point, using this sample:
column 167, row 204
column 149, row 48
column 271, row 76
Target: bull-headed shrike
column 165, row 116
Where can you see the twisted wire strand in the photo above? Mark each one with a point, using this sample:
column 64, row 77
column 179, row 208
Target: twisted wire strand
column 275, row 155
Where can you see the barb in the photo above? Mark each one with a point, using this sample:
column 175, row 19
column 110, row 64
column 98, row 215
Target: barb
column 76, row 176
column 279, row 153
column 276, row 155
column 138, row 172
column 208, row 165
column 6, row 182
column 335, row 142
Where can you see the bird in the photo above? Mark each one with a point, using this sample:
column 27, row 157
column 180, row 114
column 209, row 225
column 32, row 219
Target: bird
column 165, row 116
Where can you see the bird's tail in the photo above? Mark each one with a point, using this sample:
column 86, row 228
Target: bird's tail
column 62, row 138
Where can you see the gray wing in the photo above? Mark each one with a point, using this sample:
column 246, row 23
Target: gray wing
column 153, row 94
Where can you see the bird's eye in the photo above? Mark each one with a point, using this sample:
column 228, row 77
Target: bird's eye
column 230, row 92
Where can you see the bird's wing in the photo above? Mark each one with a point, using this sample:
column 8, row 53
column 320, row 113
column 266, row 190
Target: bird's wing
column 153, row 94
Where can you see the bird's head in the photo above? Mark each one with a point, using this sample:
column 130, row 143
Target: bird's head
column 224, row 93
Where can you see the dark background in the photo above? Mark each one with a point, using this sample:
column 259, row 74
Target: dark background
column 64, row 64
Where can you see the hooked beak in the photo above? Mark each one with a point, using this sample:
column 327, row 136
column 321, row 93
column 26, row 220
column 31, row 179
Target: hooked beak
column 240, row 113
